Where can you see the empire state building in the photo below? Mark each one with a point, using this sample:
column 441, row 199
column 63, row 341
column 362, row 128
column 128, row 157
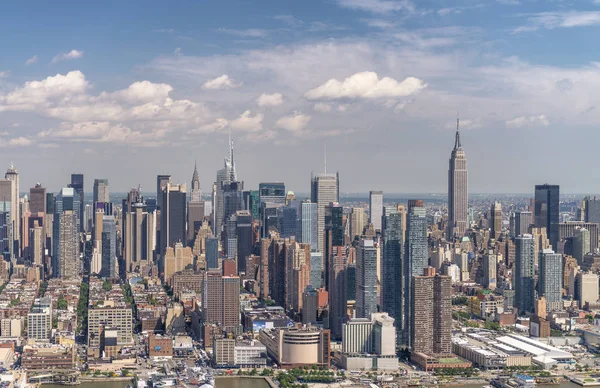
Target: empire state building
column 458, row 192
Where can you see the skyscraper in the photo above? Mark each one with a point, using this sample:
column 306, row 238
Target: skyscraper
column 415, row 259
column 547, row 211
column 225, row 176
column 196, row 193
column 524, row 273
column 308, row 220
column 490, row 263
column 358, row 222
column 496, row 220
column 138, row 236
column 161, row 182
column 338, row 291
column 66, row 244
column 431, row 321
column 376, row 209
column 77, row 185
column 195, row 211
column 109, row 248
column 212, row 253
column 458, row 193
column 221, row 303
column 392, row 292
column 245, row 238
column 523, row 219
column 37, row 199
column 172, row 216
column 324, row 189
column 6, row 231
column 591, row 210
column 551, row 277
column 13, row 175
column 101, row 191
column 271, row 192
column 366, row 279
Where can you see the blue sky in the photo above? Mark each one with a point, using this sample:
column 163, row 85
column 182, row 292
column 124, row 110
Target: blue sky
column 127, row 90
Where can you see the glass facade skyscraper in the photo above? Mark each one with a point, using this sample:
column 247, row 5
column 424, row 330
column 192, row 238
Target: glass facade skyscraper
column 547, row 211
column 525, row 273
column 366, row 279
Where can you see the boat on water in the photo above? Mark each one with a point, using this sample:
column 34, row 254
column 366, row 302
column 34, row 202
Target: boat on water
column 525, row 381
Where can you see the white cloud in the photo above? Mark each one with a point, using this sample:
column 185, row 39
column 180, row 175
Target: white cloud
column 3, row 74
column 322, row 107
column 73, row 54
column 31, row 60
column 247, row 33
column 247, row 123
column 216, row 126
column 378, row 6
column 16, row 142
column 523, row 121
column 366, row 85
column 294, row 122
column 274, row 99
column 553, row 20
column 178, row 51
column 220, row 83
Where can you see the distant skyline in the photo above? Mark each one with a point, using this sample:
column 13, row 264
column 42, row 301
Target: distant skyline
column 129, row 90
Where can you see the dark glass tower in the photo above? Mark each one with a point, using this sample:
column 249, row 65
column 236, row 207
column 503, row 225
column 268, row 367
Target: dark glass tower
column 547, row 210
column 77, row 185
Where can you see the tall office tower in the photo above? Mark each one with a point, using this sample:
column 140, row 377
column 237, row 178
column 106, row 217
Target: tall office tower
column 6, row 214
column 490, row 262
column 37, row 199
column 101, row 193
column 588, row 289
column 496, row 219
column 308, row 221
column 221, row 301
column 225, row 176
column 138, row 237
column 297, row 275
column 232, row 199
column 324, row 189
column 310, row 305
column 392, row 291
column 547, row 211
column 271, row 192
column 196, row 193
column 338, row 291
column 415, row 259
column 13, row 175
column 162, row 181
column 195, row 217
column 245, row 238
column 376, row 209
column 77, row 184
column 288, row 218
column 458, row 193
column 109, row 248
column 431, row 321
column 172, row 216
column 524, row 273
column 334, row 217
column 366, row 279
column 523, row 219
column 581, row 244
column 39, row 320
column 358, row 221
column 550, row 282
column 591, row 210
column 176, row 258
column 66, row 264
column 316, row 269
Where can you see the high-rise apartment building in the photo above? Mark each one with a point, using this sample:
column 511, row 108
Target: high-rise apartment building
column 221, row 303
column 366, row 279
column 65, row 235
column 39, row 320
column 588, row 288
column 376, row 209
column 138, row 236
column 324, row 189
column 547, row 211
column 490, row 263
column 581, row 244
column 117, row 318
column 415, row 258
column 550, row 278
column 431, row 318
column 392, row 279
column 297, row 275
column 524, row 273
column 458, row 193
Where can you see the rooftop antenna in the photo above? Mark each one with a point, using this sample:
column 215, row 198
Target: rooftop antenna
column 457, row 140
column 325, row 145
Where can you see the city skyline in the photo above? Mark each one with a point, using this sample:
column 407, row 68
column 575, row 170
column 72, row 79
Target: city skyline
column 277, row 79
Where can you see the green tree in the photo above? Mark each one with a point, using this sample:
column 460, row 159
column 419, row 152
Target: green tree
column 62, row 303
column 106, row 285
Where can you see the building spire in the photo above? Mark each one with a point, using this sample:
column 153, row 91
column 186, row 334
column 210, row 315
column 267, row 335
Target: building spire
column 457, row 144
